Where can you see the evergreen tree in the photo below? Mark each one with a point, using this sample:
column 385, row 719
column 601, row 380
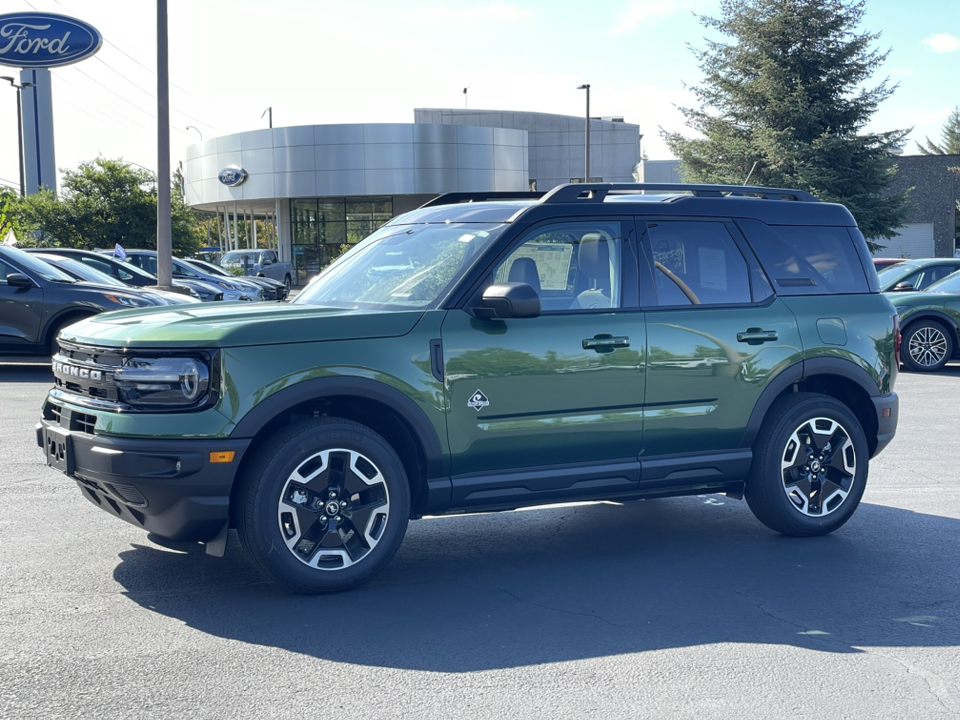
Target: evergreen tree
column 951, row 138
column 784, row 105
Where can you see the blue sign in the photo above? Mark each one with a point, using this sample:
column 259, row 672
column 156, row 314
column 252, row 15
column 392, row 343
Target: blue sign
column 43, row 40
column 231, row 176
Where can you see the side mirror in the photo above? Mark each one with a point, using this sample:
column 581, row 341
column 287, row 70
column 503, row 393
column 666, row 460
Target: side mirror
column 509, row 300
column 903, row 287
column 19, row 280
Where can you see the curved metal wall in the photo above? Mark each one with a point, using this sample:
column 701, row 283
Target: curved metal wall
column 351, row 160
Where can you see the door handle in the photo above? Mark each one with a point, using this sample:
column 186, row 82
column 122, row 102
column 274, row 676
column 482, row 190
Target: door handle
column 755, row 336
column 606, row 343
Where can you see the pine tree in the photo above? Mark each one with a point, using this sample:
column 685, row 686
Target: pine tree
column 951, row 138
column 784, row 104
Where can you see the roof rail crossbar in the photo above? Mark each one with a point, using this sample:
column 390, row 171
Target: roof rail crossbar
column 596, row 192
column 455, row 198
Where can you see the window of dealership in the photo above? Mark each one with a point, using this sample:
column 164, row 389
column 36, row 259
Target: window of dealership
column 320, row 227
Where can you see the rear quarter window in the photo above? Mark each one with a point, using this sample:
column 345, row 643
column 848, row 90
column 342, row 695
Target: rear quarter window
column 808, row 260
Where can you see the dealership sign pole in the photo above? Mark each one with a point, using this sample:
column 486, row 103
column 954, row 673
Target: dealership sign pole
column 36, row 42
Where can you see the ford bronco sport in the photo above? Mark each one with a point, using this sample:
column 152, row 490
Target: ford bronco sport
column 486, row 353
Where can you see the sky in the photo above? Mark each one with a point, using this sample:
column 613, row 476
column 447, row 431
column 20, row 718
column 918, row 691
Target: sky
column 367, row 61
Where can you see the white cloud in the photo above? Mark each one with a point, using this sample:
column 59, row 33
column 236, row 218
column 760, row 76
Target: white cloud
column 942, row 43
column 639, row 13
column 497, row 12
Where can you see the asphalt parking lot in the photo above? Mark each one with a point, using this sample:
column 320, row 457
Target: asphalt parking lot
column 677, row 608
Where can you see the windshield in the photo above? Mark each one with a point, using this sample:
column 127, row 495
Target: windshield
column 209, row 267
column 950, row 284
column 37, row 266
column 239, row 257
column 892, row 274
column 81, row 271
column 401, row 267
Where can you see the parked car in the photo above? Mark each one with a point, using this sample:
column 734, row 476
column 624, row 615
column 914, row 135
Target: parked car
column 130, row 274
column 880, row 263
column 262, row 263
column 37, row 300
column 596, row 344
column 911, row 275
column 275, row 290
column 88, row 274
column 930, row 323
column 234, row 289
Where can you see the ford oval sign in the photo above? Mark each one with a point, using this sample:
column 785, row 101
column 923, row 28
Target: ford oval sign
column 43, row 40
column 232, row 175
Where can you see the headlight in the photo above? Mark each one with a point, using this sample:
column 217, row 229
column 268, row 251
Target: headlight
column 130, row 301
column 164, row 381
column 227, row 286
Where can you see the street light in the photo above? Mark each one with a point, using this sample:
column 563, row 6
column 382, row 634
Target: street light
column 11, row 80
column 586, row 163
column 270, row 111
column 194, row 127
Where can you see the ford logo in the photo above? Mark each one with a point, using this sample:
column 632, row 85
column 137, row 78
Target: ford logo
column 42, row 40
column 232, row 175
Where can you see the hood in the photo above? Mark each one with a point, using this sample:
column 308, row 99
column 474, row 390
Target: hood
column 217, row 326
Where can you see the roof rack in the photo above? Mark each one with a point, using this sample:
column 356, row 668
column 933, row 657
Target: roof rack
column 455, row 198
column 596, row 192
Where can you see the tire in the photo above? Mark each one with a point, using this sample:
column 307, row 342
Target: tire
column 288, row 282
column 927, row 346
column 323, row 505
column 801, row 483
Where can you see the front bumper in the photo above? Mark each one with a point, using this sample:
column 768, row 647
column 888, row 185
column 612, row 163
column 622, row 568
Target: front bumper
column 167, row 487
column 888, row 414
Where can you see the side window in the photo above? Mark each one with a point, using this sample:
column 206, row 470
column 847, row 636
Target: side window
column 698, row 263
column 107, row 268
column 808, row 260
column 931, row 275
column 4, row 271
column 572, row 266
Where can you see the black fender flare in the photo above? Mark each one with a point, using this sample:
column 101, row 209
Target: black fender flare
column 940, row 317
column 319, row 388
column 795, row 373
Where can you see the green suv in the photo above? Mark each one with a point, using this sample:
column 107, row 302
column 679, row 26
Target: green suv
column 485, row 353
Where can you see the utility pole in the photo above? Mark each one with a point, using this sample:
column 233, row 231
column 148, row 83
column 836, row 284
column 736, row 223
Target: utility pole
column 164, row 222
column 586, row 164
column 269, row 111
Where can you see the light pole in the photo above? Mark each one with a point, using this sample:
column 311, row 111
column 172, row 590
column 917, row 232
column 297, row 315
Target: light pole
column 269, row 111
column 194, row 127
column 586, row 162
column 19, row 127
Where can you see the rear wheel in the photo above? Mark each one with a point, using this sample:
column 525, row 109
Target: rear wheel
column 323, row 506
column 809, row 467
column 927, row 346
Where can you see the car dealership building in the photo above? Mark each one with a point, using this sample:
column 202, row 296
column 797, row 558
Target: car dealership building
column 321, row 186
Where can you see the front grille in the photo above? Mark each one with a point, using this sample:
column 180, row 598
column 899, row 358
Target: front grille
column 87, row 373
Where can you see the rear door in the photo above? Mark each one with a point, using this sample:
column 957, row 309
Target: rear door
column 548, row 407
column 715, row 338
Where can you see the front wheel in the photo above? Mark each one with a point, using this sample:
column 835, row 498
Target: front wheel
column 323, row 505
column 288, row 282
column 809, row 466
column 927, row 345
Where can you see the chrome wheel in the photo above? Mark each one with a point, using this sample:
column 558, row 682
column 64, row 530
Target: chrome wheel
column 928, row 346
column 333, row 509
column 819, row 467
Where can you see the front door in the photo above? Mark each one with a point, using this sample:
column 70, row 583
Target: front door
column 21, row 310
column 550, row 406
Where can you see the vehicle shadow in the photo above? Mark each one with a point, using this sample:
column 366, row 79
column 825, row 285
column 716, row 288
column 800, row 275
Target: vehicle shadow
column 15, row 371
column 551, row 585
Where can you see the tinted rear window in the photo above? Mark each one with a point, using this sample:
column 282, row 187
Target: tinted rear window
column 808, row 260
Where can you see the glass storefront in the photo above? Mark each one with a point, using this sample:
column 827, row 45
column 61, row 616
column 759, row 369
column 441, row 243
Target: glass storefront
column 322, row 227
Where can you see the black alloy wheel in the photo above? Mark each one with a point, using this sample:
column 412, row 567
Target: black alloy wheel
column 323, row 505
column 810, row 466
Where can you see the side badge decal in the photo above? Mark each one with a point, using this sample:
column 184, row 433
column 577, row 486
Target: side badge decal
column 478, row 400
